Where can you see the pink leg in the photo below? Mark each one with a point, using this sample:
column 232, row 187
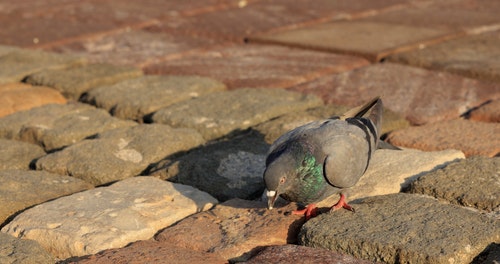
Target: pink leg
column 342, row 204
column 310, row 211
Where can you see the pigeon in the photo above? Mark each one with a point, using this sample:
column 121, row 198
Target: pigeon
column 320, row 159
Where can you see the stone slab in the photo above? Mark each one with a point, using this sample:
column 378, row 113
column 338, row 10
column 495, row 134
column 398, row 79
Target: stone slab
column 257, row 65
column 473, row 138
column 18, row 96
column 352, row 37
column 150, row 251
column 227, row 169
column 403, row 228
column 472, row 182
column 5, row 49
column 489, row 112
column 218, row 114
column 252, row 17
column 386, row 175
column 409, row 91
column 56, row 126
column 16, row 65
column 235, row 229
column 74, row 82
column 472, row 56
column 291, row 253
column 119, row 153
column 135, row 98
column 138, row 47
column 18, row 155
column 108, row 217
column 22, row 251
column 21, row 189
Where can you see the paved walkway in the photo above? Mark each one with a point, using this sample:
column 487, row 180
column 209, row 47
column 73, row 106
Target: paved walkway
column 188, row 96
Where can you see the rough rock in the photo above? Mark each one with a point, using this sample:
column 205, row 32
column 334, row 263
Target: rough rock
column 235, row 230
column 408, row 91
column 108, row 217
column 406, row 228
column 473, row 138
column 22, row 251
column 489, row 112
column 16, row 65
column 226, row 169
column 217, row 114
column 473, row 182
column 391, row 171
column 18, row 155
column 18, row 96
column 150, row 251
column 120, row 153
column 135, row 98
column 473, row 56
column 5, row 49
column 21, row 189
column 73, row 82
column 56, row 126
column 292, row 253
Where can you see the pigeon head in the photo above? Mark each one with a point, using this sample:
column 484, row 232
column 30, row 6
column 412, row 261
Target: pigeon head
column 291, row 172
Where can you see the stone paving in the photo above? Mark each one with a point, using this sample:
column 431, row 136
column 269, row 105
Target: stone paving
column 137, row 131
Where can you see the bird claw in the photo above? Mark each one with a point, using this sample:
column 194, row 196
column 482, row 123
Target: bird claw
column 310, row 211
column 342, row 204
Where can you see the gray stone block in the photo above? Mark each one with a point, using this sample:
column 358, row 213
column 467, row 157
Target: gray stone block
column 18, row 155
column 473, row 182
column 226, row 169
column 56, row 126
column 403, row 228
column 120, row 153
column 22, row 251
column 135, row 98
column 17, row 64
column 218, row 114
column 73, row 82
column 21, row 189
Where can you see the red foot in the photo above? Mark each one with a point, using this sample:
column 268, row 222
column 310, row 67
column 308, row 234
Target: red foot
column 342, row 204
column 310, row 211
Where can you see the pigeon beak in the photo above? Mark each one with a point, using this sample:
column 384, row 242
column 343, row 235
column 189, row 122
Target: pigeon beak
column 271, row 198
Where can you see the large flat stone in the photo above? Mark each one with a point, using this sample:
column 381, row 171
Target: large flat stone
column 18, row 96
column 56, row 126
column 403, row 228
column 409, row 91
column 234, row 230
column 226, row 169
column 291, row 253
column 74, row 82
column 370, row 39
column 21, row 189
column 473, row 138
column 120, row 153
column 472, row 182
column 18, row 155
column 385, row 175
column 150, row 251
column 472, row 56
column 22, row 251
column 108, row 217
column 257, row 65
column 135, row 98
column 218, row 114
column 16, row 65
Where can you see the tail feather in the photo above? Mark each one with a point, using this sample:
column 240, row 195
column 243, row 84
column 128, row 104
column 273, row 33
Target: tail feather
column 361, row 110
